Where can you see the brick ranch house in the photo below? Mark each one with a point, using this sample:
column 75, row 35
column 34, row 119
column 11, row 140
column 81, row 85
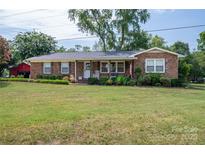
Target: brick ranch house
column 82, row 65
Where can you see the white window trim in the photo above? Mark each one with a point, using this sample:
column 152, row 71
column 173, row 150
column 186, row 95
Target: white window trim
column 62, row 68
column 155, row 59
column 108, row 66
column 123, row 66
column 44, row 72
column 115, row 66
column 109, row 70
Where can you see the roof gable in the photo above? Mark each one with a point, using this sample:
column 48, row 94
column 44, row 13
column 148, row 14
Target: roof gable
column 157, row 50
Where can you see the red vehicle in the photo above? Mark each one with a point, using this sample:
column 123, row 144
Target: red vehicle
column 21, row 69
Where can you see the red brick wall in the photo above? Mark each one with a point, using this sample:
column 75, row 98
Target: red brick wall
column 80, row 68
column 171, row 63
column 36, row 69
column 56, row 68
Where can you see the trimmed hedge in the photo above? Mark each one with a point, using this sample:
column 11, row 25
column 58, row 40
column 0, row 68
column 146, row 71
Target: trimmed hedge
column 50, row 77
column 36, row 81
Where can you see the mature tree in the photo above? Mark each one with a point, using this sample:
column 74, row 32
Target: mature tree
column 94, row 22
column 5, row 54
column 184, row 70
column 201, row 41
column 127, row 22
column 136, row 41
column 158, row 41
column 31, row 44
column 197, row 61
column 180, row 47
column 115, row 28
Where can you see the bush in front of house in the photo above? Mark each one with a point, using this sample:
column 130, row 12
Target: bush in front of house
column 165, row 82
column 103, row 80
column 178, row 83
column 119, row 80
column 138, row 72
column 158, row 85
column 155, row 78
column 93, row 81
column 131, row 82
column 126, row 80
column 52, row 81
column 109, row 82
column 50, row 77
column 140, row 81
column 36, row 81
column 16, row 79
column 147, row 81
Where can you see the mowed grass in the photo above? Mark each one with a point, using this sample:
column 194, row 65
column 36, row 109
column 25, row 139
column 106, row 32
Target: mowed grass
column 32, row 113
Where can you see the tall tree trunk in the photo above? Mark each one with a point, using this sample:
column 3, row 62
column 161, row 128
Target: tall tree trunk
column 104, row 45
column 122, row 37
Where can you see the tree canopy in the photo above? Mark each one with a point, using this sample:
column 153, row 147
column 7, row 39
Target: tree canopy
column 116, row 29
column 180, row 47
column 33, row 43
column 201, row 41
column 5, row 54
column 157, row 41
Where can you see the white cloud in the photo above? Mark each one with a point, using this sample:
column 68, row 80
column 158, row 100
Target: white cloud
column 51, row 22
column 161, row 11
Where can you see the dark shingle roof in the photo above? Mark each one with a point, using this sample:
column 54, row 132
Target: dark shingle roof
column 85, row 55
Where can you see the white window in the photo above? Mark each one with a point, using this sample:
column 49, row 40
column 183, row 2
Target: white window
column 64, row 68
column 46, row 68
column 120, row 67
column 155, row 65
column 113, row 67
column 104, row 67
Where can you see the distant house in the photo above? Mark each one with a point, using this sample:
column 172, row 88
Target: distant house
column 21, row 69
column 83, row 65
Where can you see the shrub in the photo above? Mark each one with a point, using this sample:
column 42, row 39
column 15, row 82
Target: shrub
column 92, row 81
column 119, row 80
column 66, row 78
column 158, row 84
column 52, row 81
column 155, row 78
column 20, row 76
column 35, row 81
column 15, row 79
column 166, row 82
column 140, row 81
column 131, row 82
column 109, row 82
column 51, row 77
column 126, row 80
column 103, row 80
column 138, row 72
column 177, row 82
column 113, row 78
column 147, row 80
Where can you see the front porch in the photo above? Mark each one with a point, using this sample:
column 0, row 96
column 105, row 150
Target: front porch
column 104, row 68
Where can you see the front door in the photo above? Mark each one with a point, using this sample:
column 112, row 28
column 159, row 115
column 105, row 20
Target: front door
column 86, row 70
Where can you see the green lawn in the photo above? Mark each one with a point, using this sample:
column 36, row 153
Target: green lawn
column 32, row 113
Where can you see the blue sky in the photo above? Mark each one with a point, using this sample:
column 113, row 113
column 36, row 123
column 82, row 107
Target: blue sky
column 56, row 24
